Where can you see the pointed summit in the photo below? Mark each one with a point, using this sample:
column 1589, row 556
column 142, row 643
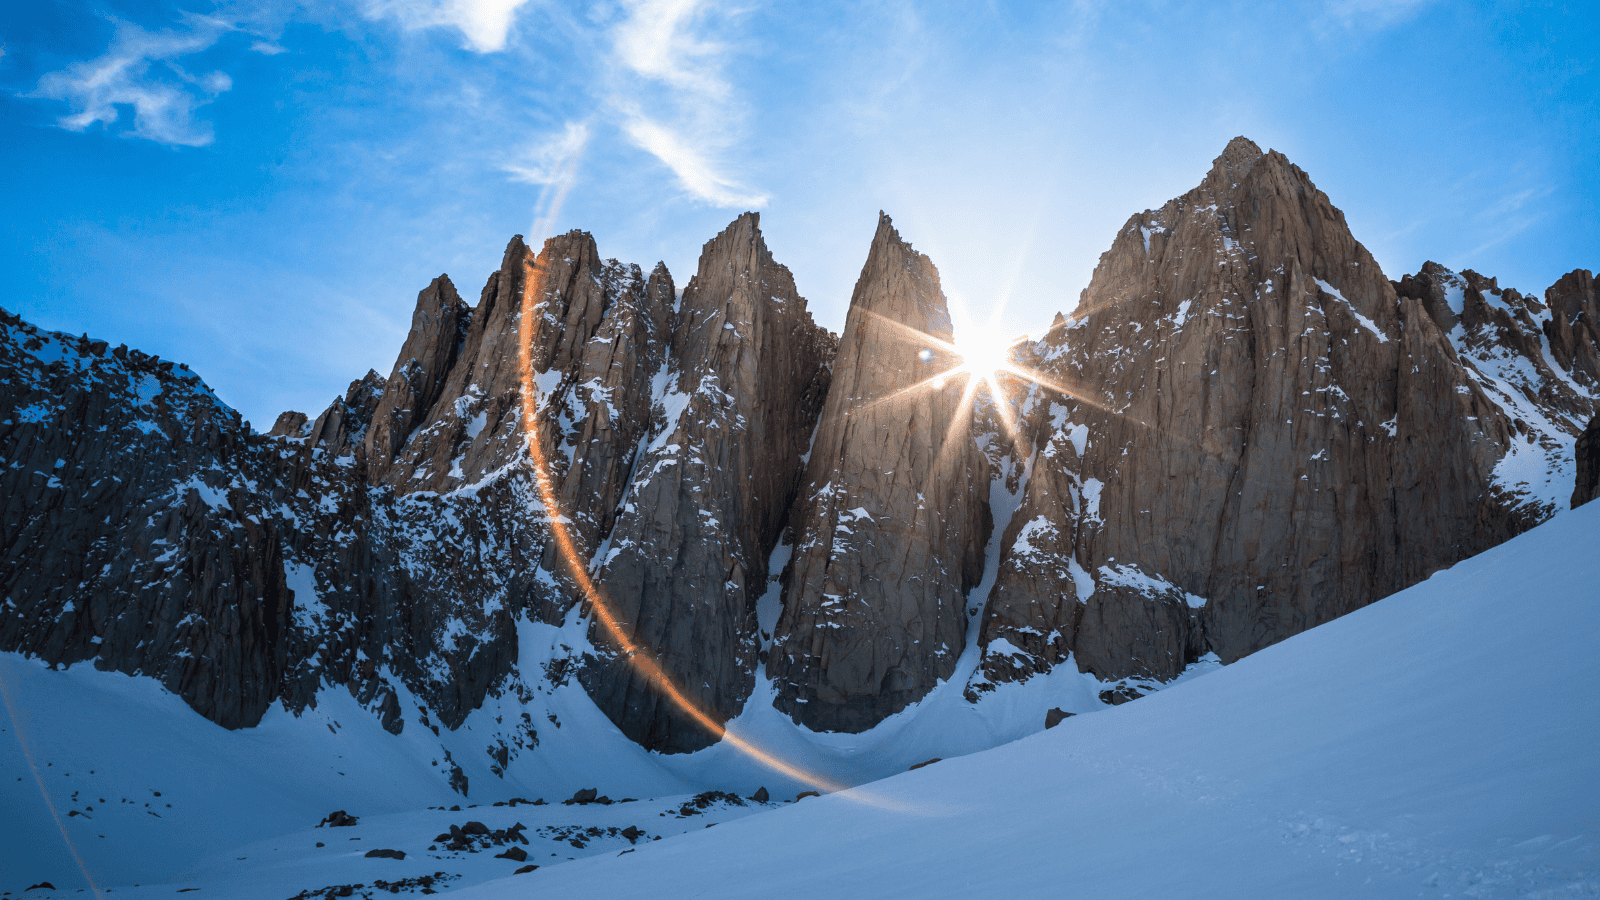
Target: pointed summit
column 714, row 475
column 891, row 524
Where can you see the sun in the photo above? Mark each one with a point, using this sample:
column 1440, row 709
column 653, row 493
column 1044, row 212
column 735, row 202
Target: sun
column 984, row 353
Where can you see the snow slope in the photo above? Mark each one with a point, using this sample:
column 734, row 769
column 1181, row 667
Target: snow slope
column 1442, row 742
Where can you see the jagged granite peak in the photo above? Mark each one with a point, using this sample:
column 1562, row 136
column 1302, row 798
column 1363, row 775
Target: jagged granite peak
column 1272, row 436
column 890, row 527
column 712, row 482
column 438, row 329
column 341, row 430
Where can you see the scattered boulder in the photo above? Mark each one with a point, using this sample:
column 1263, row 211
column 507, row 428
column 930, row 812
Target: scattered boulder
column 1119, row 696
column 515, row 854
column 804, row 794
column 760, row 796
column 1055, row 716
column 585, row 795
column 632, row 833
column 44, row 885
column 524, row 870
column 386, row 854
column 927, row 762
column 474, row 828
column 338, row 819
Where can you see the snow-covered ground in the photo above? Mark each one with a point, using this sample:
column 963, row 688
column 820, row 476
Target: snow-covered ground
column 1442, row 742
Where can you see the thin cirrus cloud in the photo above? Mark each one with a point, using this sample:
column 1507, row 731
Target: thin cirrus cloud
column 140, row 69
column 695, row 171
column 486, row 24
column 663, row 89
column 554, row 166
column 664, row 48
column 661, row 51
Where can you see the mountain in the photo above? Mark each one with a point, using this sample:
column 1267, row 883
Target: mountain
column 1257, row 432
column 592, row 480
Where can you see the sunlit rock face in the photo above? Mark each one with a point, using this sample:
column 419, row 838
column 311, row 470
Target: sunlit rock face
column 890, row 527
column 1273, row 435
column 733, row 413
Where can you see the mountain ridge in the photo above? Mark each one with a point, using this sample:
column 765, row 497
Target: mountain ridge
column 1260, row 432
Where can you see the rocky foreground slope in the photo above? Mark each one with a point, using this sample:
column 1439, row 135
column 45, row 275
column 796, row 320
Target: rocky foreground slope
column 1245, row 429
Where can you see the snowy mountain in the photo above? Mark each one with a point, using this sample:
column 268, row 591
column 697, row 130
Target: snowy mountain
column 598, row 532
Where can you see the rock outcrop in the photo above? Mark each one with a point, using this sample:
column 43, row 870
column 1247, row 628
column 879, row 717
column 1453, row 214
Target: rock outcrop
column 891, row 524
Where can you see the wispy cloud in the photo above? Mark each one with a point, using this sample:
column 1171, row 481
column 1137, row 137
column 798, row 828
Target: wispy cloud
column 485, row 24
column 552, row 164
column 1373, row 14
column 695, row 170
column 665, row 50
column 140, row 69
column 660, row 40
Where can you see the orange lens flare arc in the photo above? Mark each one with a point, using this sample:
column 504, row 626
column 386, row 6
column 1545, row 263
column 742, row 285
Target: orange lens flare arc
column 640, row 658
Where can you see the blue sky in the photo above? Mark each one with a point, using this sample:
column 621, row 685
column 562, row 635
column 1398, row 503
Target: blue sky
column 260, row 189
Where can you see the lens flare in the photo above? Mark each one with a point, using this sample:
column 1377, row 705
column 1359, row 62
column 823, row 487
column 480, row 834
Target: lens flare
column 639, row 657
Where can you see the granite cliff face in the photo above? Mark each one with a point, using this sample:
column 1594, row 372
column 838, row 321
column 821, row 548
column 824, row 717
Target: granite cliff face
column 890, row 528
column 711, row 487
column 1267, row 434
column 1245, row 429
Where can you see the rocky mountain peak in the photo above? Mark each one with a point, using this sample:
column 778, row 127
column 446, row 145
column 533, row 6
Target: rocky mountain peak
column 891, row 524
column 1235, row 159
column 1300, row 431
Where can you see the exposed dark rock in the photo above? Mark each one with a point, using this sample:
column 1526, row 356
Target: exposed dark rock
column 515, row 854
column 1055, row 716
column 1119, row 696
column 761, row 795
column 926, row 762
column 386, row 854
column 338, row 819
